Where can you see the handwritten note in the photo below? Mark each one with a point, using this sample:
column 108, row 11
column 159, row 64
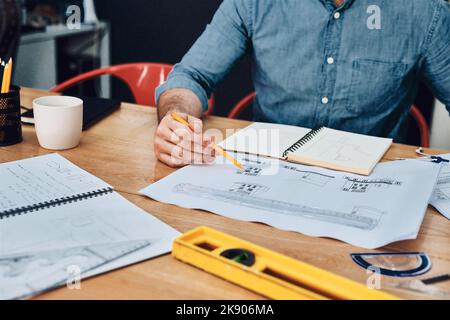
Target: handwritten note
column 40, row 179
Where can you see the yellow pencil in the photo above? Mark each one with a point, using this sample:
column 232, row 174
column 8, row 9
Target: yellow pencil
column 9, row 75
column 218, row 149
column 179, row 119
column 5, row 71
column 6, row 81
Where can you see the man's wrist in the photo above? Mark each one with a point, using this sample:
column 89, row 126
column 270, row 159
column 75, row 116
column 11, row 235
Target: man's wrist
column 178, row 100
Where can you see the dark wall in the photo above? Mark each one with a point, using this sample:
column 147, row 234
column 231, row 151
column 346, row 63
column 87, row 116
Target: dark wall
column 163, row 31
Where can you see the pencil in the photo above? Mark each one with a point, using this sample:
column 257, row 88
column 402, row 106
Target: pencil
column 9, row 76
column 1, row 75
column 3, row 67
column 218, row 149
column 6, row 81
column 179, row 119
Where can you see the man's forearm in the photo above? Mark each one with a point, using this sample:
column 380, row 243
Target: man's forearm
column 180, row 100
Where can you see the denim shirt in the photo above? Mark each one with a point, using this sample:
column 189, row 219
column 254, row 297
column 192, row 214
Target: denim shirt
column 354, row 68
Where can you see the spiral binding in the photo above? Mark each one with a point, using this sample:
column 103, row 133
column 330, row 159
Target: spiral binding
column 300, row 143
column 53, row 203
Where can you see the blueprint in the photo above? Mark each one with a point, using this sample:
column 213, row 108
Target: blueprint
column 366, row 211
column 441, row 196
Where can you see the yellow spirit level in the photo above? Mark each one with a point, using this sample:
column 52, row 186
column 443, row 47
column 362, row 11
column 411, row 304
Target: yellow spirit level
column 263, row 271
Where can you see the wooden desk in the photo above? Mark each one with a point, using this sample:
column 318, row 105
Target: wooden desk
column 119, row 150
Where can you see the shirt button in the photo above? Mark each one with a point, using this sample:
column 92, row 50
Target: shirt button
column 325, row 100
column 330, row 60
column 337, row 15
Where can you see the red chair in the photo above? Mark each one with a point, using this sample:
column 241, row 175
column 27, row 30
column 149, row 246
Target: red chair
column 424, row 128
column 422, row 123
column 141, row 78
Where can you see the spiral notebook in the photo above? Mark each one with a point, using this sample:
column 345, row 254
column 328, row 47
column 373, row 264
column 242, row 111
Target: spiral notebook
column 322, row 147
column 49, row 207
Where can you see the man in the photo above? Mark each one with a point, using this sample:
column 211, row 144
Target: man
column 352, row 65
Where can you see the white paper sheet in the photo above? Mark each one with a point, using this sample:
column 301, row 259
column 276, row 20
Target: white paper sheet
column 264, row 139
column 369, row 212
column 96, row 234
column 327, row 148
column 107, row 219
column 441, row 196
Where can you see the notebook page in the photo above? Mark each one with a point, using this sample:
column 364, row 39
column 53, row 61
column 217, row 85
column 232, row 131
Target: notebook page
column 342, row 150
column 105, row 219
column 44, row 178
column 108, row 219
column 264, row 139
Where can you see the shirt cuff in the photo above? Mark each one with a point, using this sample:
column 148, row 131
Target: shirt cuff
column 184, row 83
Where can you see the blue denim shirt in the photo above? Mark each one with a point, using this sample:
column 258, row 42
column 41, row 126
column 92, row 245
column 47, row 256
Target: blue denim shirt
column 354, row 68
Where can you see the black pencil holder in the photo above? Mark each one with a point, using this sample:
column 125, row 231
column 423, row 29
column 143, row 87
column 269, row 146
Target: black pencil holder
column 10, row 121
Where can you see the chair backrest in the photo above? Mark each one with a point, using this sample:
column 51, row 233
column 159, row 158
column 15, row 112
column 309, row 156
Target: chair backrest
column 141, row 78
column 422, row 123
column 242, row 105
column 414, row 112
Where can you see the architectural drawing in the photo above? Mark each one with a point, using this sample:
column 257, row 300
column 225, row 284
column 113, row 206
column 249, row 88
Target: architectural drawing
column 310, row 177
column 253, row 167
column 249, row 189
column 360, row 217
column 396, row 194
column 30, row 273
column 256, row 167
column 363, row 185
column 442, row 191
column 250, row 171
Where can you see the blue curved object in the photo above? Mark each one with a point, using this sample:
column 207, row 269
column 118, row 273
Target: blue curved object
column 425, row 263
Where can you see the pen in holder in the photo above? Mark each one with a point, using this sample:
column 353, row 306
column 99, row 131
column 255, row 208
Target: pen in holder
column 10, row 121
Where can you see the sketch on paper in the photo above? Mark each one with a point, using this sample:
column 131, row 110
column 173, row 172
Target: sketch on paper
column 311, row 200
column 341, row 149
column 311, row 177
column 442, row 191
column 365, row 218
column 253, row 167
column 26, row 274
column 249, row 189
column 75, row 230
column 363, row 185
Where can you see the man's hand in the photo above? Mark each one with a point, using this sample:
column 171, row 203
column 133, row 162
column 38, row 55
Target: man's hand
column 177, row 145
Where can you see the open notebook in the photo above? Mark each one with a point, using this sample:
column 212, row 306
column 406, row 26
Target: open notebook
column 57, row 221
column 323, row 147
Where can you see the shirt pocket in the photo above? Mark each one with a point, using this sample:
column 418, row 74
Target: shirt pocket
column 374, row 86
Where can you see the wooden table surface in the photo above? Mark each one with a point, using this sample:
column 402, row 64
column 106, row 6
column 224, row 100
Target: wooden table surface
column 119, row 150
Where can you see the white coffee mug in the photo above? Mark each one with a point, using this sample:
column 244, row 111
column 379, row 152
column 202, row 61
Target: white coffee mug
column 58, row 121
